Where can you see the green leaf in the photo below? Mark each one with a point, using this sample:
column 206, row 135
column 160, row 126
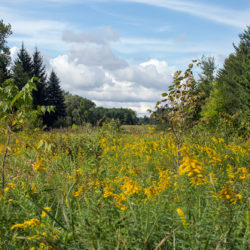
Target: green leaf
column 18, row 96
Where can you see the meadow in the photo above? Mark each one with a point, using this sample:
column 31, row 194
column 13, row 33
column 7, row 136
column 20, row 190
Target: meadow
column 104, row 188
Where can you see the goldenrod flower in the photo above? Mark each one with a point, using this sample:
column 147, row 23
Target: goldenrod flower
column 228, row 194
column 30, row 223
column 193, row 169
column 130, row 187
column 39, row 164
column 182, row 217
column 11, row 185
column 78, row 192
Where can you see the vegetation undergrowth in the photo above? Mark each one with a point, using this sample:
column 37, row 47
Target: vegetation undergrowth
column 105, row 189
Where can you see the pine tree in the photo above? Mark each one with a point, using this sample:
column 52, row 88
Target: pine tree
column 22, row 69
column 5, row 31
column 205, row 83
column 38, row 70
column 234, row 78
column 54, row 98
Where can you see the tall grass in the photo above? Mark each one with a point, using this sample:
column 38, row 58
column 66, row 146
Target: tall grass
column 101, row 189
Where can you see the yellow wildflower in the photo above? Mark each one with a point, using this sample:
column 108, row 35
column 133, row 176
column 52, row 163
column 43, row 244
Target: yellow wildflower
column 229, row 195
column 108, row 191
column 39, row 164
column 33, row 187
column 151, row 191
column 43, row 214
column 42, row 246
column 11, row 185
column 78, row 192
column 182, row 217
column 130, row 187
column 193, row 169
column 30, row 223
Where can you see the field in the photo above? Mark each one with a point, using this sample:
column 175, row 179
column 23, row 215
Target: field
column 100, row 188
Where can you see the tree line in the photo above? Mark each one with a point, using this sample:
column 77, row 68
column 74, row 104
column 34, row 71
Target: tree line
column 222, row 95
column 68, row 109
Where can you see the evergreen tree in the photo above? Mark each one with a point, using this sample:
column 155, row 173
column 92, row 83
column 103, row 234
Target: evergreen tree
column 38, row 70
column 205, row 83
column 54, row 98
column 234, row 78
column 5, row 31
column 22, row 69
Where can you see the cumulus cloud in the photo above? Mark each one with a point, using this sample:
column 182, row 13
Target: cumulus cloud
column 78, row 76
column 96, row 73
column 96, row 56
column 153, row 74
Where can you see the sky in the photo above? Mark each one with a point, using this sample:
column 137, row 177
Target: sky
column 123, row 53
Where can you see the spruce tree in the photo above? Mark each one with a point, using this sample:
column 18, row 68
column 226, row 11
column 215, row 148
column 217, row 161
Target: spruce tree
column 22, row 69
column 38, row 70
column 54, row 98
column 234, row 78
column 5, row 31
column 206, row 78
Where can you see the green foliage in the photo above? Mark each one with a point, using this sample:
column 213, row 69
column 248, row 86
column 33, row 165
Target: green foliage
column 214, row 106
column 79, row 110
column 22, row 68
column 55, row 98
column 15, row 110
column 38, row 70
column 234, row 78
column 206, row 78
column 125, row 116
column 179, row 104
column 16, row 106
column 99, row 189
column 5, row 31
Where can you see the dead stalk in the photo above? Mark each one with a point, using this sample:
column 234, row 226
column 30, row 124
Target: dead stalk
column 164, row 239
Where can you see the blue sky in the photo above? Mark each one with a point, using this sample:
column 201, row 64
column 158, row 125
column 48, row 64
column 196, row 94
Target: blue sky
column 122, row 53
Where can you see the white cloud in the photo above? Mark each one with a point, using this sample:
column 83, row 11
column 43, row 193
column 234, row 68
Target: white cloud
column 96, row 56
column 226, row 16
column 77, row 76
column 91, row 69
column 33, row 31
column 13, row 52
column 132, row 86
column 152, row 74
